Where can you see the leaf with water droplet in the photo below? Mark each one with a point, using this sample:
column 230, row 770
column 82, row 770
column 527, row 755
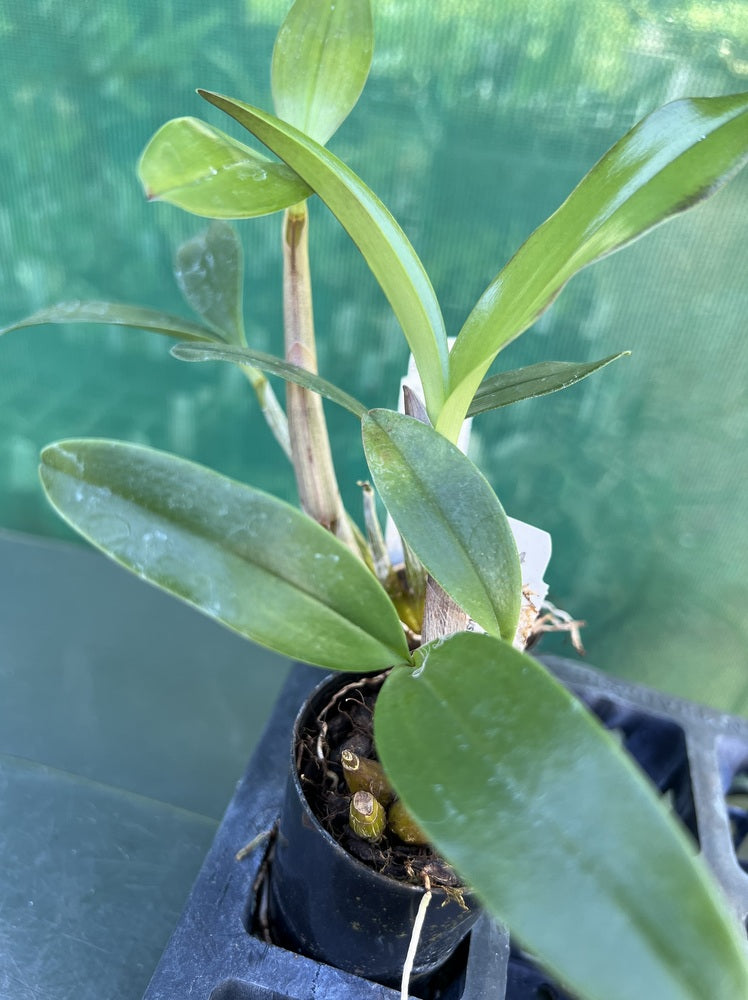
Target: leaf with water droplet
column 204, row 171
column 237, row 554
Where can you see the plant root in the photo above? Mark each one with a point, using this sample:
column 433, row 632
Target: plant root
column 556, row 620
column 414, row 939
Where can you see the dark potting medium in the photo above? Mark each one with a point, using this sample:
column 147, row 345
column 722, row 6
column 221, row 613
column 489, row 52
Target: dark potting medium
column 697, row 756
column 360, row 920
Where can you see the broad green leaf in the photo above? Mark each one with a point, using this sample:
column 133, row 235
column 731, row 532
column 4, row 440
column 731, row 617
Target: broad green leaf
column 115, row 314
column 209, row 269
column 449, row 515
column 321, row 60
column 252, row 562
column 386, row 249
column 562, row 837
column 534, row 380
column 273, row 365
column 204, row 171
column 671, row 160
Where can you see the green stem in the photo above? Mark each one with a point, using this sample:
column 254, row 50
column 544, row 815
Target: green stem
column 271, row 409
column 310, row 444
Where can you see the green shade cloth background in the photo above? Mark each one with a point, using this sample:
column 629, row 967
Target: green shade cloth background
column 477, row 121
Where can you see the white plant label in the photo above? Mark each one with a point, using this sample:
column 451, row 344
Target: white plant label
column 534, row 547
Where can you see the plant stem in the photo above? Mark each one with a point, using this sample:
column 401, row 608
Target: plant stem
column 271, row 409
column 316, row 482
column 380, row 557
column 441, row 616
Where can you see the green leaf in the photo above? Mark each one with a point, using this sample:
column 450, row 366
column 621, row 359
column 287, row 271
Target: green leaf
column 209, row 269
column 115, row 314
column 534, row 380
column 449, row 515
column 385, row 247
column 671, row 160
column 560, row 834
column 252, row 562
column 273, row 365
column 204, row 171
column 321, row 60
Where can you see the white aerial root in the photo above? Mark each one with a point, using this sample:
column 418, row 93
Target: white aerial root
column 414, row 939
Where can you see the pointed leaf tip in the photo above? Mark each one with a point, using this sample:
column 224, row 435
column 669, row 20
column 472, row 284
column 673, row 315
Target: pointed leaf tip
column 672, row 159
column 242, row 557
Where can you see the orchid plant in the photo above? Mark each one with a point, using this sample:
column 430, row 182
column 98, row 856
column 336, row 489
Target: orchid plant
column 533, row 802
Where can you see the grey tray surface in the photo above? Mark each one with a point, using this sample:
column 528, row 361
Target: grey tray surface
column 99, row 850
column 118, row 753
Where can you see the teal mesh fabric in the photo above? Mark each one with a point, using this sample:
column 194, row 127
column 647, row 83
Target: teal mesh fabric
column 477, row 121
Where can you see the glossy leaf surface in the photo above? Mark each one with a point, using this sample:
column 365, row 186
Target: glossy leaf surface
column 210, row 273
column 274, row 366
column 540, row 808
column 448, row 514
column 320, row 63
column 671, row 160
column 204, row 171
column 534, row 380
column 113, row 313
column 380, row 239
column 252, row 562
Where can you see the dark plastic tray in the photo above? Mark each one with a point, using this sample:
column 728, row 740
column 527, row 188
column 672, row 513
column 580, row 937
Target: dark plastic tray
column 689, row 751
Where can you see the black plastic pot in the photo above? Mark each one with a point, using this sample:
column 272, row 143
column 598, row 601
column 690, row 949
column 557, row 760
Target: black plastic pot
column 692, row 753
column 327, row 904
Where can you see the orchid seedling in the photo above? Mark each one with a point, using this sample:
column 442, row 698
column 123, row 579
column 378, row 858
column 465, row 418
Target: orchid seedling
column 537, row 807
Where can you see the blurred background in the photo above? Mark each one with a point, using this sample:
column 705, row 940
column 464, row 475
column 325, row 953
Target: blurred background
column 477, row 121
